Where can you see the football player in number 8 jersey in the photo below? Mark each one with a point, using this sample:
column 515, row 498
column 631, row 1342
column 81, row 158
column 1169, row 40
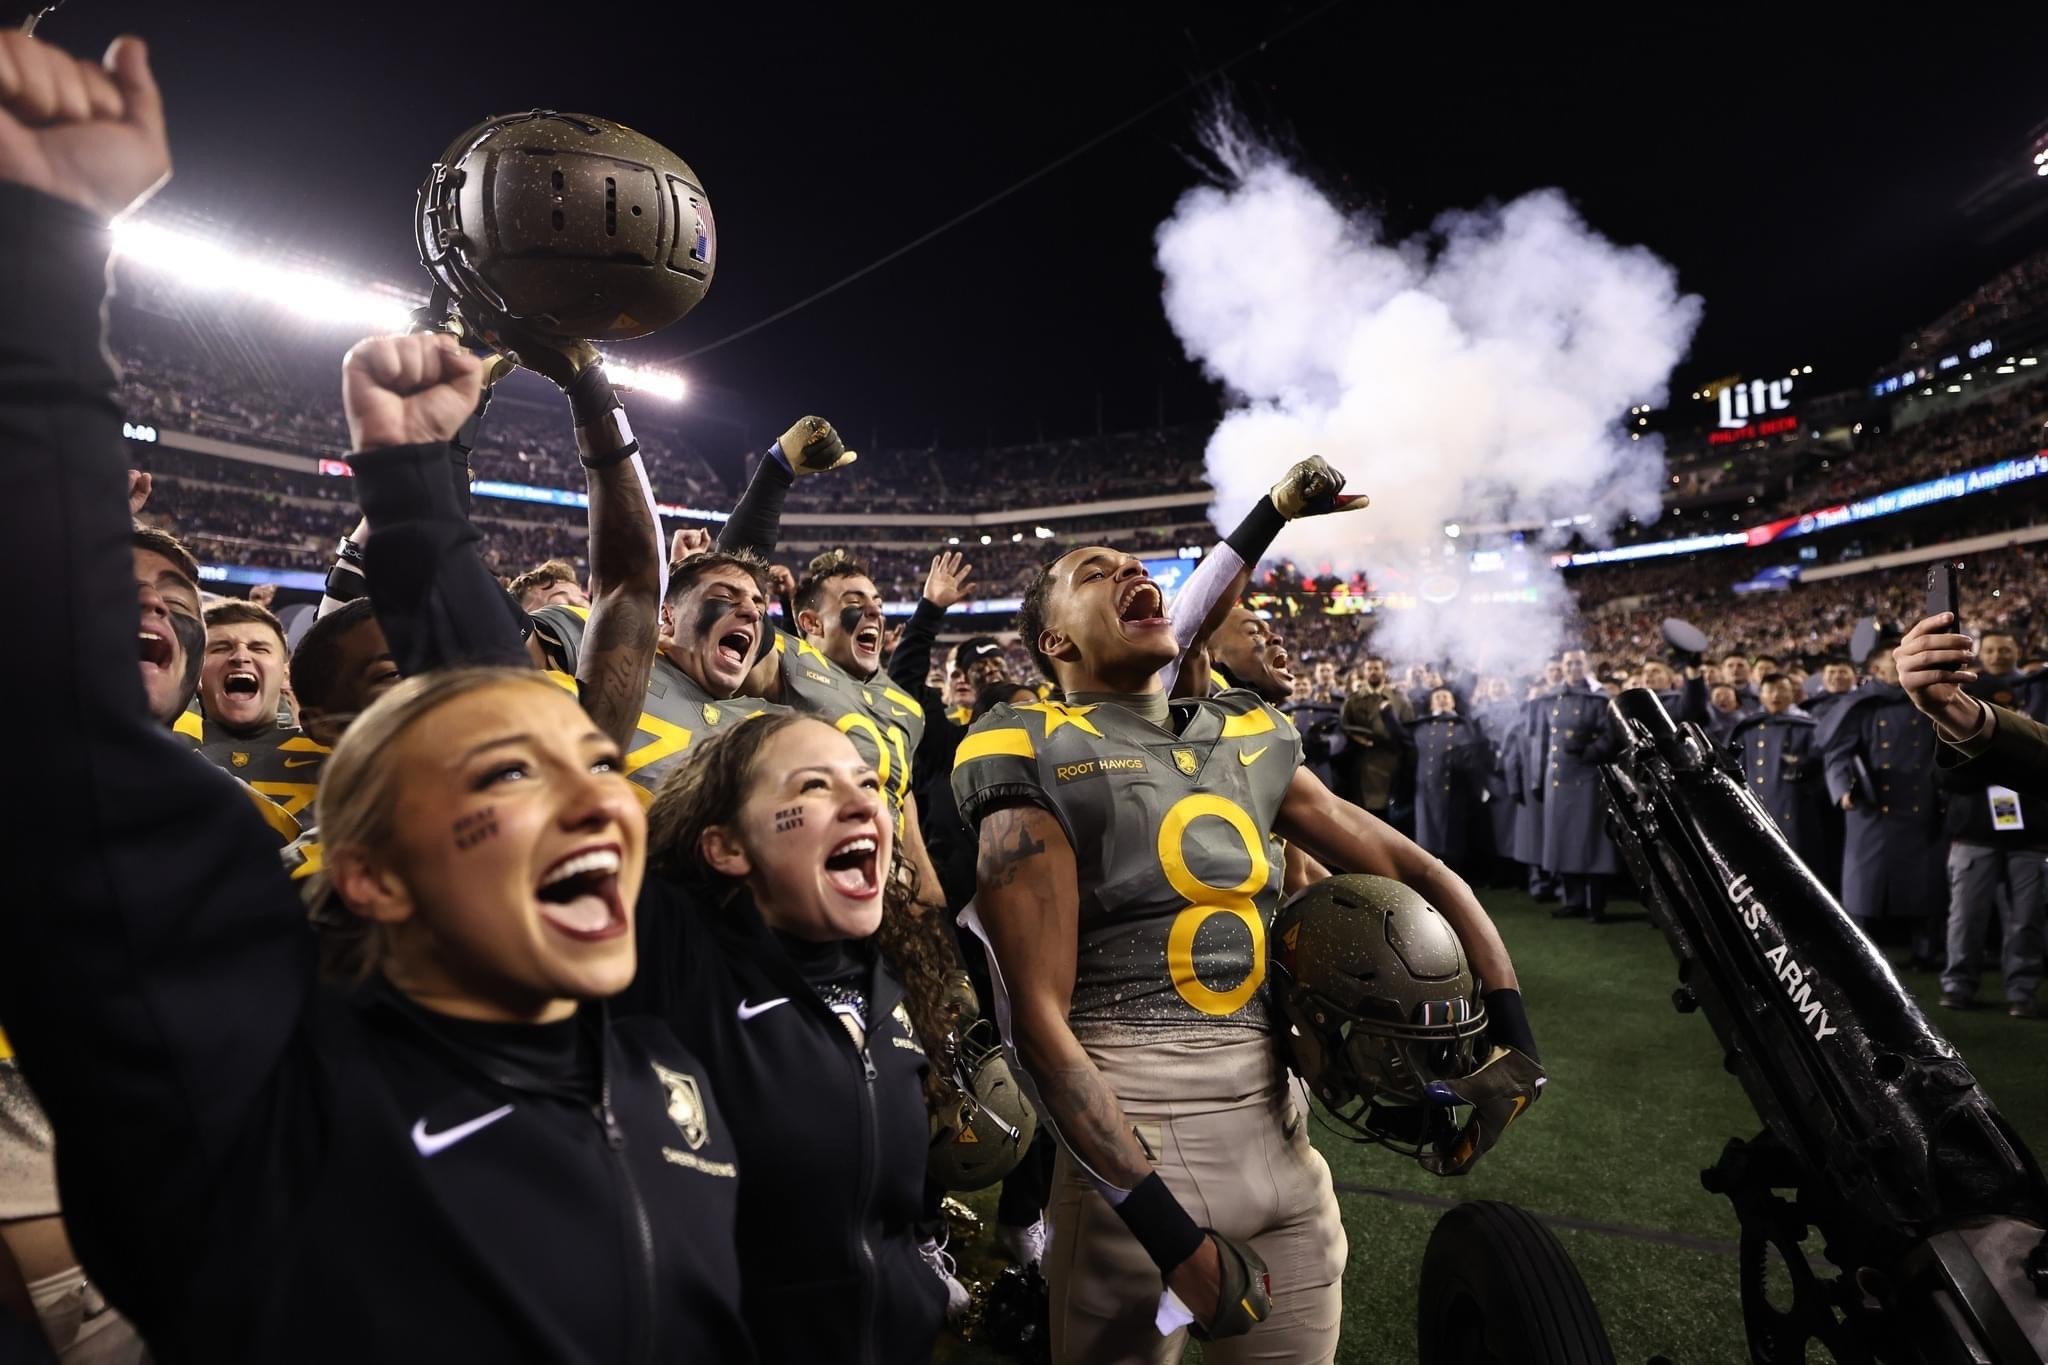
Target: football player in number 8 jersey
column 1125, row 884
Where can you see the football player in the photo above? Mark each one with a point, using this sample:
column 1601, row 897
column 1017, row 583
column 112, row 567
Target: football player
column 1125, row 882
column 713, row 619
column 239, row 682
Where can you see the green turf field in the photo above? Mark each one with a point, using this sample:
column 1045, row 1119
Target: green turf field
column 1637, row 1105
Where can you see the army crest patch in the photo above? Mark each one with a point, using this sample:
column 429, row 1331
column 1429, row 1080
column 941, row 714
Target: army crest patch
column 710, row 714
column 1185, row 760
column 239, row 758
column 685, row 1105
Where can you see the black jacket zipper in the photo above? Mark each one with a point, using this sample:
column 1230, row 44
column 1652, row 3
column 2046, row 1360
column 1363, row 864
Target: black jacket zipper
column 640, row 1344
column 868, row 1163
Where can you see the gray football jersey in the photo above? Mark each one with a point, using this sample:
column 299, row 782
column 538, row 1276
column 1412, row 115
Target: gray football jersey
column 676, row 712
column 1173, row 845
column 884, row 724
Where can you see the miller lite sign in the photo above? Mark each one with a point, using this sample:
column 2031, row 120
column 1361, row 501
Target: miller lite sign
column 1743, row 403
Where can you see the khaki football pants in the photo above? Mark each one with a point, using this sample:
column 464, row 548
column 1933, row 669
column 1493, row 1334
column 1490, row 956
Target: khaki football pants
column 1243, row 1167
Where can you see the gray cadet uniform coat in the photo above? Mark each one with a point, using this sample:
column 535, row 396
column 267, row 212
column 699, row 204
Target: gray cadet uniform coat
column 1893, row 859
column 1573, row 738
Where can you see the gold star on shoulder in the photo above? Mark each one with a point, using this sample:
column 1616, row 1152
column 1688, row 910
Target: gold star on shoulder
column 1057, row 714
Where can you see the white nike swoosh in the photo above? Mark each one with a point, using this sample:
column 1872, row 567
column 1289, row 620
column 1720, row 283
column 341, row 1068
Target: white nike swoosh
column 749, row 1011
column 430, row 1143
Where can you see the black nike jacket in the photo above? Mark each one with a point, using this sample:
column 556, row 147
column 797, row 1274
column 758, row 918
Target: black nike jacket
column 252, row 1168
column 831, row 1136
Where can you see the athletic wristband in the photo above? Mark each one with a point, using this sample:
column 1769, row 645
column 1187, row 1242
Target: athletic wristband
column 1508, row 1023
column 1254, row 535
column 1160, row 1224
column 591, row 396
column 345, row 583
column 348, row 552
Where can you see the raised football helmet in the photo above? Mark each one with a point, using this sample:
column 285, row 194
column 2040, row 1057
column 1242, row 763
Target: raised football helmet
column 565, row 227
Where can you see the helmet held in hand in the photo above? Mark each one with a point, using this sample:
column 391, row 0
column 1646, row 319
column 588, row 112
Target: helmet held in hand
column 980, row 1134
column 567, row 227
column 1378, row 1007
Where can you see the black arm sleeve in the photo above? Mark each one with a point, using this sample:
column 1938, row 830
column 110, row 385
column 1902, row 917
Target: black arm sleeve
column 913, row 657
column 1254, row 535
column 756, row 524
column 1692, row 702
column 434, row 596
column 154, row 961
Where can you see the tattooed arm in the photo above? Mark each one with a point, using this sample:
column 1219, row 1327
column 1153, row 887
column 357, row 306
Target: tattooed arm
column 1335, row 832
column 626, row 572
column 1029, row 901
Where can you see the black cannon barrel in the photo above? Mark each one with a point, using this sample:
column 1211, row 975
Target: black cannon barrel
column 1839, row 1061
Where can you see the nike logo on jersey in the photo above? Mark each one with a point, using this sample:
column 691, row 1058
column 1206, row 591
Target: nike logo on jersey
column 754, row 1011
column 1248, row 759
column 299, row 762
column 430, row 1143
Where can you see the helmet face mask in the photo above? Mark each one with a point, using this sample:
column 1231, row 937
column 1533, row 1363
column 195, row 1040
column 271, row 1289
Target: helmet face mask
column 566, row 227
column 1380, row 1008
column 982, row 1132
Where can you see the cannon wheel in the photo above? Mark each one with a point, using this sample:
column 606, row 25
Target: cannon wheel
column 1497, row 1287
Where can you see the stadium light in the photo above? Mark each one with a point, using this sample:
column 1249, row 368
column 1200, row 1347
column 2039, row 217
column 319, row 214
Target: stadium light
column 199, row 264
column 952, row 540
column 1016, row 536
column 1042, row 532
column 987, row 539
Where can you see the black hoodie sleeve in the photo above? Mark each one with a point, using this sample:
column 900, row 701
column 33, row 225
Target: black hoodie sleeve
column 912, row 660
column 756, row 524
column 437, row 601
column 154, row 961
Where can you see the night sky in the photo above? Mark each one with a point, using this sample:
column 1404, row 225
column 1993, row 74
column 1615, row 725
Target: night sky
column 1805, row 177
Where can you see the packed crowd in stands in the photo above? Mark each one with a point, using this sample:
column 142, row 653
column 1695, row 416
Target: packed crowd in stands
column 2009, row 296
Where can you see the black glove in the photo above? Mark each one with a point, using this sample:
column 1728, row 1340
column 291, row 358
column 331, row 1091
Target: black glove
column 1244, row 1298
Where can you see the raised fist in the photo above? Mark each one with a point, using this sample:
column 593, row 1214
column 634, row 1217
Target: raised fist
column 408, row 390
column 92, row 134
column 687, row 541
column 782, row 580
column 1312, row 488
column 812, row 447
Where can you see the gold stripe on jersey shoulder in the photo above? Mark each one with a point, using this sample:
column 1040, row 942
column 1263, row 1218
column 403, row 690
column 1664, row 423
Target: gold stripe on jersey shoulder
column 1004, row 742
column 274, row 815
column 916, row 707
column 311, row 860
column 564, row 681
column 304, row 744
column 192, row 726
column 582, row 613
column 1254, row 722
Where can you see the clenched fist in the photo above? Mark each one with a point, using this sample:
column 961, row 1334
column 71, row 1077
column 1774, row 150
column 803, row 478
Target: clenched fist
column 811, row 446
column 92, row 134
column 408, row 390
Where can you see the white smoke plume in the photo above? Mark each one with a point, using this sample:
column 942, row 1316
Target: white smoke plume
column 1478, row 374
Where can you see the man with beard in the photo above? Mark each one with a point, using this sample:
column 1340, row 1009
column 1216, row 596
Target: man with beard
column 239, row 682
column 1880, row 755
column 1781, row 763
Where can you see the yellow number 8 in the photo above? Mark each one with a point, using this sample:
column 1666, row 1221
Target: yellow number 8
column 854, row 721
column 1205, row 900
